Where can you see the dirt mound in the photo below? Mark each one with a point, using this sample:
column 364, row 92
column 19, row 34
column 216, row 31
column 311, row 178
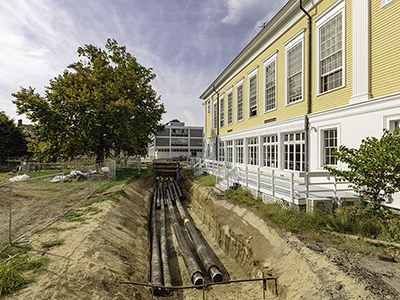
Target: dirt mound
column 110, row 246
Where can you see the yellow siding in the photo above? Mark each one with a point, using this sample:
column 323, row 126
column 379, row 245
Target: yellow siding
column 325, row 101
column 385, row 45
column 342, row 95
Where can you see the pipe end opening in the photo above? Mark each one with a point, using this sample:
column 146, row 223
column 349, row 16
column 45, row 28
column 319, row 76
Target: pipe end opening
column 198, row 279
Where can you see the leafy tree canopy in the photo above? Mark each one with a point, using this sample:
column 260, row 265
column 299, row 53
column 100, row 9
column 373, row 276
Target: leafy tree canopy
column 13, row 141
column 101, row 105
column 374, row 168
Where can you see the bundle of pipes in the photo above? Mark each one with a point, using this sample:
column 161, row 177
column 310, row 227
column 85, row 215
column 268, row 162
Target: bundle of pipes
column 165, row 192
column 193, row 268
column 206, row 259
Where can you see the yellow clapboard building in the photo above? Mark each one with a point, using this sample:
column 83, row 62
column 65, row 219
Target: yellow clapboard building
column 320, row 74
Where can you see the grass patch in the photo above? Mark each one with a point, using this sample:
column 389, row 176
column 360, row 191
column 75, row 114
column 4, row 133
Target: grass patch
column 56, row 230
column 113, row 197
column 56, row 242
column 206, row 180
column 20, row 270
column 119, row 228
column 92, row 210
column 75, row 217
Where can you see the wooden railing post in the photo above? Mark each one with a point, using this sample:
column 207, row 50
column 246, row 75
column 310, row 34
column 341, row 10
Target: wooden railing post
column 273, row 183
column 291, row 187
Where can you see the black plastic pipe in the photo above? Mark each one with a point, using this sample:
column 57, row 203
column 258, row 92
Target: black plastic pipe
column 191, row 264
column 164, row 249
column 206, row 259
column 156, row 273
column 178, row 190
column 174, row 191
column 158, row 194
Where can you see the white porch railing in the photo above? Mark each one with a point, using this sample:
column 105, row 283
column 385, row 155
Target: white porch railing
column 292, row 187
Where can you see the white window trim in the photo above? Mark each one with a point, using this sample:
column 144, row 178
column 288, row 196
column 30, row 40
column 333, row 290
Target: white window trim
column 289, row 44
column 337, row 8
column 209, row 107
column 221, row 111
column 250, row 75
column 267, row 61
column 214, row 113
column 229, row 91
column 257, row 147
column 277, row 152
column 282, row 144
column 238, row 84
column 320, row 131
column 385, row 3
column 387, row 120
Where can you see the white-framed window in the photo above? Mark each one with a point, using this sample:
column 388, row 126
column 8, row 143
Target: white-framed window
column 221, row 151
column 208, row 107
column 215, row 112
column 393, row 125
column 294, row 54
column 294, row 151
column 270, row 82
column 221, row 111
column 252, row 151
column 270, row 151
column 229, row 151
column 239, row 151
column 391, row 122
column 329, row 145
column 253, row 92
column 386, row 2
column 230, row 107
column 239, row 100
column 331, row 48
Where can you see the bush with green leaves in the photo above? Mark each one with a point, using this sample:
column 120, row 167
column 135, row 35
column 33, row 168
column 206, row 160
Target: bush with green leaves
column 373, row 169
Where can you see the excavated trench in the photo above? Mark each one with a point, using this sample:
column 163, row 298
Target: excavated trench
column 244, row 246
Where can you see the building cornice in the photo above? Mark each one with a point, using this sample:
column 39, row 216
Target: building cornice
column 281, row 22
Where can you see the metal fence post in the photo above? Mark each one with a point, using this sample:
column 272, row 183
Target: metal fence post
column 41, row 194
column 88, row 177
column 10, row 225
column 62, row 189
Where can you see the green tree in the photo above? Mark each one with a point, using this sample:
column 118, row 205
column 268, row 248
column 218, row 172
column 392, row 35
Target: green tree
column 374, row 169
column 13, row 141
column 102, row 105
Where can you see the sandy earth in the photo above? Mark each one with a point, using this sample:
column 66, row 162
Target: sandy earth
column 113, row 245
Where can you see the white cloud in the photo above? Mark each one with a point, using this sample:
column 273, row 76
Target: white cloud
column 240, row 9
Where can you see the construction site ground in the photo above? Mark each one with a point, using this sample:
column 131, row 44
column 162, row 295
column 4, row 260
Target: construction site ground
column 113, row 245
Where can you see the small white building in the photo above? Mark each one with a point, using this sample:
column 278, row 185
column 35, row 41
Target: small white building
column 177, row 140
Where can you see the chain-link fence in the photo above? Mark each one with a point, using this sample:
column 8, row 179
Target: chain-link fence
column 31, row 202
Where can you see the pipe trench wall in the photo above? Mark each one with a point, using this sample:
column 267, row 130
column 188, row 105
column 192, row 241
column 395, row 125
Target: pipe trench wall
column 233, row 240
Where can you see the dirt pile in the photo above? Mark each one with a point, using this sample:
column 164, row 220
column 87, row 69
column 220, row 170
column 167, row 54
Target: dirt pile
column 110, row 246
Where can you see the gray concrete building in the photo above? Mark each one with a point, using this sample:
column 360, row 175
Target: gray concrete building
column 177, row 140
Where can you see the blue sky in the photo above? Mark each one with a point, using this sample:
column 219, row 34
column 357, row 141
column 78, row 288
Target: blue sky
column 187, row 43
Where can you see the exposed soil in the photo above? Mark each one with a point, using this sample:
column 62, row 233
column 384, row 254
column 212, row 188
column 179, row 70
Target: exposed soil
column 113, row 245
